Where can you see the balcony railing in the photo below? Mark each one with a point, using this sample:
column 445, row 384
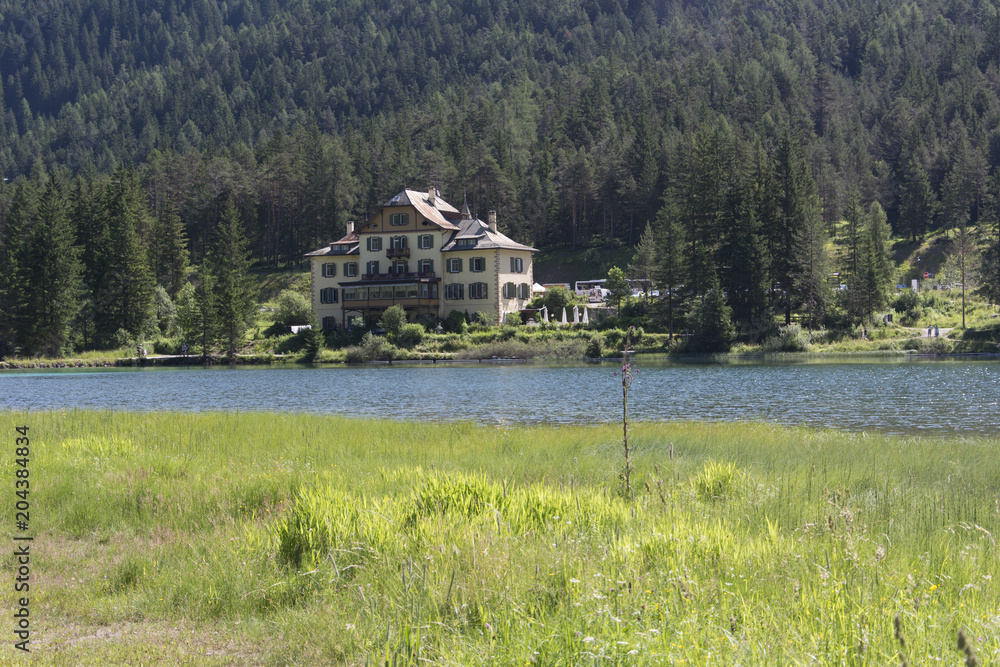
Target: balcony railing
column 397, row 276
column 397, row 252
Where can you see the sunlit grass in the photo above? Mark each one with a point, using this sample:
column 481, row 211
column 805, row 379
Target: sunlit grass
column 364, row 541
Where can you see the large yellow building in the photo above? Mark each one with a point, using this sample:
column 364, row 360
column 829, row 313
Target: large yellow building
column 421, row 253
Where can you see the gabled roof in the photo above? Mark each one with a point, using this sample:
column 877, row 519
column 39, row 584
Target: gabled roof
column 349, row 245
column 483, row 238
column 437, row 214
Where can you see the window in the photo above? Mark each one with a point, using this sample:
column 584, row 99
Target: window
column 351, row 294
column 374, row 243
column 399, row 266
column 350, row 269
column 397, row 242
column 425, row 241
column 428, row 290
column 478, row 291
column 523, row 291
column 399, row 219
column 426, row 266
column 329, row 323
column 455, row 265
column 329, row 270
column 372, row 267
column 477, row 264
column 516, row 265
column 454, row 291
column 328, row 295
column 509, row 290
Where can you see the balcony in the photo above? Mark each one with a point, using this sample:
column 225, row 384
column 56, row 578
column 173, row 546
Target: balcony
column 426, row 275
column 397, row 252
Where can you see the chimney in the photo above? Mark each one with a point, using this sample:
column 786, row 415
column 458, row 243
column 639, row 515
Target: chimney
column 432, row 195
column 493, row 220
column 350, row 226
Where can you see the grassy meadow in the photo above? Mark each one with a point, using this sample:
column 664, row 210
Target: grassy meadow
column 274, row 539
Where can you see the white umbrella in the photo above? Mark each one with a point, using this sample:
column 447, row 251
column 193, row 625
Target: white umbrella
column 545, row 313
column 586, row 320
column 576, row 315
column 564, row 320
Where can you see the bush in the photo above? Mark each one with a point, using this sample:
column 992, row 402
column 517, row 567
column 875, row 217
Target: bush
column 595, row 348
column 513, row 319
column 907, row 306
column 614, row 339
column 790, row 338
column 410, row 335
column 455, row 322
column 293, row 308
column 372, row 348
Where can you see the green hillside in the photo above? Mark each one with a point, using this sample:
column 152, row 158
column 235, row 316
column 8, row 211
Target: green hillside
column 743, row 133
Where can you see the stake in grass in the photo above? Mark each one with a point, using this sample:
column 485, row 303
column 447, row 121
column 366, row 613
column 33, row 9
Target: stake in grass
column 627, row 377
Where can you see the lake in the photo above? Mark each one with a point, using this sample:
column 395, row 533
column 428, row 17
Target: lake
column 904, row 396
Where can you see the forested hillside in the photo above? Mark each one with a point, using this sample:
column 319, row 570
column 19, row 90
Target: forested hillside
column 743, row 131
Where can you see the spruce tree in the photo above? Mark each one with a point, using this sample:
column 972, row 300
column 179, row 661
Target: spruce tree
column 644, row 260
column 127, row 283
column 868, row 288
column 52, row 272
column 744, row 263
column 670, row 269
column 169, row 251
column 17, row 227
column 229, row 265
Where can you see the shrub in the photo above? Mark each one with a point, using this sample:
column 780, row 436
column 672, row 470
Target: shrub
column 513, row 319
column 455, row 322
column 293, row 308
column 372, row 348
column 614, row 339
column 790, row 338
column 595, row 348
column 410, row 335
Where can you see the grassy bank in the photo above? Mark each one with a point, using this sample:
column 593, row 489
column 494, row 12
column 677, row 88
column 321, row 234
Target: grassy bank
column 279, row 539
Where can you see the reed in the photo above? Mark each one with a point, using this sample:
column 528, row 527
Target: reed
column 257, row 538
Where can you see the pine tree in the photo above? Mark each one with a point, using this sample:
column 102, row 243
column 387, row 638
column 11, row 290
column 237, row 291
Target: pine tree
column 229, row 260
column 670, row 270
column 644, row 260
column 796, row 193
column 126, row 291
column 917, row 201
column 52, row 272
column 868, row 288
column 812, row 268
column 714, row 330
column 169, row 255
column 744, row 262
column 204, row 320
column 13, row 296
column 989, row 269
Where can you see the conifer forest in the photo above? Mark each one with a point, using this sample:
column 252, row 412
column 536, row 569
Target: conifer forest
column 153, row 151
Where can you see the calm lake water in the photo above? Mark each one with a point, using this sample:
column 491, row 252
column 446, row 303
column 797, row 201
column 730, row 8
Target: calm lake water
column 928, row 396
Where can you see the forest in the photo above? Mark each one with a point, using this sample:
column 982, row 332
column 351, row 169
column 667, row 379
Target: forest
column 747, row 150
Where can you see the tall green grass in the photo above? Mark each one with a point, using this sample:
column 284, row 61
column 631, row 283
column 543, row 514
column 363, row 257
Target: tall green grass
column 363, row 542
